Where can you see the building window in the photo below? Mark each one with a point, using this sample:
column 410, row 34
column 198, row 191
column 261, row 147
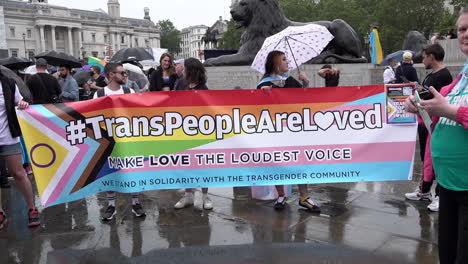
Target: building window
column 136, row 42
column 12, row 32
column 82, row 36
column 95, row 54
column 122, row 39
column 14, row 52
column 93, row 36
column 105, row 38
column 29, row 33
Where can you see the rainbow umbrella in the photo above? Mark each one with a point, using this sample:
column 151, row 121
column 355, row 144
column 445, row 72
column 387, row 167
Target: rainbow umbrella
column 93, row 61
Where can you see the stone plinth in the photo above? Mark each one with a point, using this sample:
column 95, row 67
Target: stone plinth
column 244, row 77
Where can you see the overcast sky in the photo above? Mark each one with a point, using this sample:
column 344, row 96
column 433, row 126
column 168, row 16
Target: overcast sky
column 182, row 13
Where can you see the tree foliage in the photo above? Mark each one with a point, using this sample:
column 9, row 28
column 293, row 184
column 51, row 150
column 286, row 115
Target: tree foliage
column 170, row 36
column 393, row 17
column 458, row 4
column 231, row 39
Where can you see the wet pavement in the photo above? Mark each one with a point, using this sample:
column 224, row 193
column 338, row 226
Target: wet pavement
column 359, row 223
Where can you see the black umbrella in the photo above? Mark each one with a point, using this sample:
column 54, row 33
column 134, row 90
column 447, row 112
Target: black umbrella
column 83, row 76
column 126, row 54
column 59, row 58
column 15, row 63
column 24, row 90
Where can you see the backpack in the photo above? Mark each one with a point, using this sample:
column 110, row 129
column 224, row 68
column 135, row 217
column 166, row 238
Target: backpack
column 100, row 92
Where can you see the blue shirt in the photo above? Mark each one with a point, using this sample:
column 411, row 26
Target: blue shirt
column 70, row 90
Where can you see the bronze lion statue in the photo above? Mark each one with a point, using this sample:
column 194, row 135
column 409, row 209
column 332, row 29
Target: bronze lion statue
column 263, row 18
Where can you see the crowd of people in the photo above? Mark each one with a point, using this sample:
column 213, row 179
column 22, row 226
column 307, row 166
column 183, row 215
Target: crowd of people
column 443, row 146
column 188, row 74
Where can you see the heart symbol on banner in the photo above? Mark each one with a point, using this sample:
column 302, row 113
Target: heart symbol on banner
column 324, row 121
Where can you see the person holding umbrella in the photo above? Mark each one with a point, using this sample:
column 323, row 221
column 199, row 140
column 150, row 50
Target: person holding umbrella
column 276, row 73
column 164, row 77
column 406, row 72
column 276, row 69
column 389, row 73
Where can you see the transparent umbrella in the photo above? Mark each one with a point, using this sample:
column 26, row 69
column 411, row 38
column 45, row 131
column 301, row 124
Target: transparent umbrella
column 135, row 74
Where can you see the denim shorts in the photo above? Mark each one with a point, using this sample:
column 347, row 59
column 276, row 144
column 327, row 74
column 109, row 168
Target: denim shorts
column 7, row 150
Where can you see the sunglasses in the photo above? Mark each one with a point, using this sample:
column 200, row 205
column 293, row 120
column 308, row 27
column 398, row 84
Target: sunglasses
column 122, row 73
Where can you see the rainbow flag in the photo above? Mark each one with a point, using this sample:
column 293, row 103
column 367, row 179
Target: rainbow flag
column 93, row 61
column 375, row 47
column 189, row 139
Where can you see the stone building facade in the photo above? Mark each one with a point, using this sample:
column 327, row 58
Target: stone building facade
column 214, row 34
column 35, row 26
column 192, row 44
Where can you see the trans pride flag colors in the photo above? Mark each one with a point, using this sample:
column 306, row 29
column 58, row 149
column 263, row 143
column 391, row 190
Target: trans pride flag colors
column 189, row 139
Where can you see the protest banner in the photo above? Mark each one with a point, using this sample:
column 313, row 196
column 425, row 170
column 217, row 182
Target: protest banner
column 396, row 96
column 189, row 139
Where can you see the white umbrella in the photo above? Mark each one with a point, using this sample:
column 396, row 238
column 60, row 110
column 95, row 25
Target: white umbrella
column 137, row 75
column 299, row 44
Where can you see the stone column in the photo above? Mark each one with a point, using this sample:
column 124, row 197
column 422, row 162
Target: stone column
column 80, row 44
column 112, row 40
column 129, row 41
column 119, row 41
column 70, row 41
column 41, row 32
column 52, row 32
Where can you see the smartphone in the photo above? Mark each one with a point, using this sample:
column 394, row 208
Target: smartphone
column 425, row 94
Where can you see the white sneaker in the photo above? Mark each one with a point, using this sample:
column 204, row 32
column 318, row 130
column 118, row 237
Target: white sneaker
column 434, row 206
column 185, row 201
column 207, row 203
column 418, row 196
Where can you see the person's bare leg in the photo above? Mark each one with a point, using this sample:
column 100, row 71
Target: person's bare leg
column 110, row 198
column 207, row 203
column 15, row 168
column 281, row 201
column 303, row 190
column 280, row 190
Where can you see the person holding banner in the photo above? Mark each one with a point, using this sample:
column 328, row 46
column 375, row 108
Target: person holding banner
column 195, row 76
column 10, row 148
column 276, row 76
column 449, row 149
column 117, row 77
column 164, row 77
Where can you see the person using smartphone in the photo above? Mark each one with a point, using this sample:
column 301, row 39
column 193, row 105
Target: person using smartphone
column 449, row 150
column 433, row 59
